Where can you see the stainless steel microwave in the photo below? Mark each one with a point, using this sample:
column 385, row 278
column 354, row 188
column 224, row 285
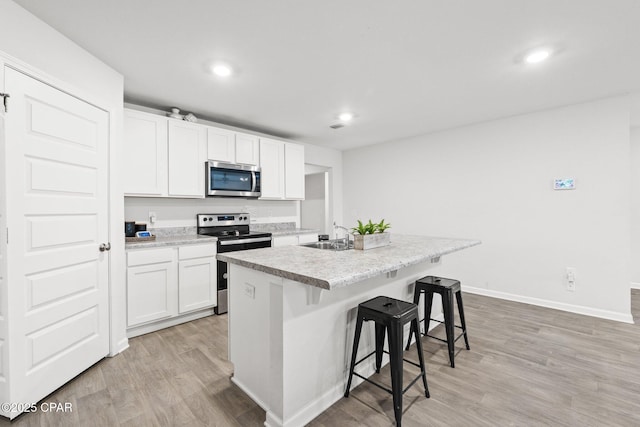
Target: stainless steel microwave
column 232, row 180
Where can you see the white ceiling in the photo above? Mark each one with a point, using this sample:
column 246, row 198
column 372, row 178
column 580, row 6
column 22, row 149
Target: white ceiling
column 405, row 67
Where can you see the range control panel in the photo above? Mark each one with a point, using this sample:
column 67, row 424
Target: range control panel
column 216, row 220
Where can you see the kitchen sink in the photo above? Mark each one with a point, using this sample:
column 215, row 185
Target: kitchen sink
column 335, row 245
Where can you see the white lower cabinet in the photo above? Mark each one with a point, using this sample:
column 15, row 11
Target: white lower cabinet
column 168, row 286
column 295, row 239
column 152, row 285
column 197, row 277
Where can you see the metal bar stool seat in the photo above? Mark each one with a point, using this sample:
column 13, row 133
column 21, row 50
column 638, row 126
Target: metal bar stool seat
column 446, row 288
column 388, row 314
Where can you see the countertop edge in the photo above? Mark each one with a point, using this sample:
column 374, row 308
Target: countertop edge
column 358, row 277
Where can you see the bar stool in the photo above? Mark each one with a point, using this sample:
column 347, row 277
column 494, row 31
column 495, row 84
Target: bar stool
column 446, row 288
column 388, row 314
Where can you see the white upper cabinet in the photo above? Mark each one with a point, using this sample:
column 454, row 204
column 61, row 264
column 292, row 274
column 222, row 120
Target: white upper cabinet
column 294, row 171
column 282, row 165
column 187, row 156
column 221, row 145
column 247, row 149
column 232, row 147
column 166, row 157
column 145, row 154
column 272, row 168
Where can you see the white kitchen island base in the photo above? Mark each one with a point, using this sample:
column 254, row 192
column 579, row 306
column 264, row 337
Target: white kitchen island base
column 290, row 343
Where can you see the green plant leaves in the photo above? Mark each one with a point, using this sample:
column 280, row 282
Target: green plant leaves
column 371, row 227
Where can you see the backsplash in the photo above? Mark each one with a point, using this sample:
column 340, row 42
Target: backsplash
column 171, row 213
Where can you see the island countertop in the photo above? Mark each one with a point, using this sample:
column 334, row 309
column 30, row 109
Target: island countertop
column 328, row 269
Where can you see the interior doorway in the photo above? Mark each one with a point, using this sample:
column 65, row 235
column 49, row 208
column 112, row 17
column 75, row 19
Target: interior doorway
column 315, row 209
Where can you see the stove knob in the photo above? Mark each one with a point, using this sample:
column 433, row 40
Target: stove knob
column 210, row 219
column 204, row 219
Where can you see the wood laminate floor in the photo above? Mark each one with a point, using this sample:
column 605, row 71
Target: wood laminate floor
column 528, row 366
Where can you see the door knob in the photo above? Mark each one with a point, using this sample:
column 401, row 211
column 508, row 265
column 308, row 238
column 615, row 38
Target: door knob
column 105, row 247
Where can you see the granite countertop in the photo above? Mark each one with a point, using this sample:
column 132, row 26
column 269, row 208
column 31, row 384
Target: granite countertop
column 328, row 269
column 293, row 231
column 176, row 240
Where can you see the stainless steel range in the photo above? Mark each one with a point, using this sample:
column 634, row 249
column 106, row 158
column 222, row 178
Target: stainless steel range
column 232, row 231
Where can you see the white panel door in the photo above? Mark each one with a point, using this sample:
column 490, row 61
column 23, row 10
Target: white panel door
column 145, row 154
column 247, row 149
column 294, row 171
column 187, row 155
column 272, row 165
column 57, row 159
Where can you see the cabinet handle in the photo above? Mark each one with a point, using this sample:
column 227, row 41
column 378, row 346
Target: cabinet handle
column 105, row 247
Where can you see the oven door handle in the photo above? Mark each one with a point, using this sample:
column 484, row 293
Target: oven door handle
column 240, row 241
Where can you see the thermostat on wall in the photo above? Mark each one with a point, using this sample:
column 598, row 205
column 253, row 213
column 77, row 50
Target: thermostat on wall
column 564, row 184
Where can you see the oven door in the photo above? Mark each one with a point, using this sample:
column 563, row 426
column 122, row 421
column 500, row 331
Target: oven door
column 232, row 180
column 231, row 246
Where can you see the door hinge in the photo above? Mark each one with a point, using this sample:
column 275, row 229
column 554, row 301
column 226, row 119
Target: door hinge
column 5, row 101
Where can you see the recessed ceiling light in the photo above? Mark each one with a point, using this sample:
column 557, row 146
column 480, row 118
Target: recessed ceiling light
column 222, row 70
column 345, row 117
column 537, row 56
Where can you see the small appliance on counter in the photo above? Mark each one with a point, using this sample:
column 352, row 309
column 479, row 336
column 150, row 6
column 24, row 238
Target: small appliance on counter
column 232, row 231
column 129, row 228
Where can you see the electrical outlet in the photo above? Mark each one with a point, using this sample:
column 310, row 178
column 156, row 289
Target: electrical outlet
column 250, row 290
column 152, row 217
column 571, row 279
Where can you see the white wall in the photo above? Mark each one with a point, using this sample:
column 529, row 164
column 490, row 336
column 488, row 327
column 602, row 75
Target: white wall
column 493, row 181
column 635, row 207
column 51, row 56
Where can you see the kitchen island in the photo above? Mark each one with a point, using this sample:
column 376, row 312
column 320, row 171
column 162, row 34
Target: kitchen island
column 292, row 316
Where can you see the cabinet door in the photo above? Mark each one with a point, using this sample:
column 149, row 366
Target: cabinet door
column 294, row 171
column 272, row 165
column 307, row 238
column 151, row 292
column 197, row 284
column 284, row 241
column 145, row 154
column 221, row 145
column 247, row 149
column 187, row 145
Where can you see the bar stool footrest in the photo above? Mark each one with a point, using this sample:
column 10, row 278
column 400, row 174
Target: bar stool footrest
column 417, row 365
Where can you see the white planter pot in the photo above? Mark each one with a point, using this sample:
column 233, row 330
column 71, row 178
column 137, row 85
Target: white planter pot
column 370, row 241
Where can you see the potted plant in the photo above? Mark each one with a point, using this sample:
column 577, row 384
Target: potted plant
column 371, row 235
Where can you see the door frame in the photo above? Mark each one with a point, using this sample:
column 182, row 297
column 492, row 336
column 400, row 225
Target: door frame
column 118, row 341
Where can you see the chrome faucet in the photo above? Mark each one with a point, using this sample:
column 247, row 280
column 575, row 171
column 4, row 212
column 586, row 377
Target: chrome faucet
column 345, row 240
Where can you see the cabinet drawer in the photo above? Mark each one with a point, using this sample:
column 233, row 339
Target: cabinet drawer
column 196, row 251
column 149, row 256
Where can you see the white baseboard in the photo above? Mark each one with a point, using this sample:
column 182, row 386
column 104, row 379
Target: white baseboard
column 578, row 309
column 122, row 345
column 172, row 321
column 635, row 285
